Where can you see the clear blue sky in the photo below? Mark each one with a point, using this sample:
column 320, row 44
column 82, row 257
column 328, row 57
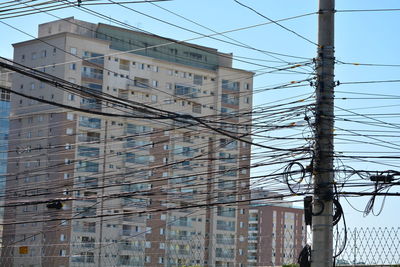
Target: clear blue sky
column 364, row 37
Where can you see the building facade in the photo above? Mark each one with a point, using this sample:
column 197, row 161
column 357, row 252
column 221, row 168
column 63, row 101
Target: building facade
column 277, row 232
column 93, row 190
column 5, row 81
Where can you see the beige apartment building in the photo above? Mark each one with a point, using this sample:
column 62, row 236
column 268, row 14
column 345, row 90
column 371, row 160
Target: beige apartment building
column 133, row 191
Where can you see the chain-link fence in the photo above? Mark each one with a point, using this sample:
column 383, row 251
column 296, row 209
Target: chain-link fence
column 373, row 246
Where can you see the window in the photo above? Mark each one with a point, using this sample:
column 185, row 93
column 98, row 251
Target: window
column 147, row 259
column 155, row 83
column 95, row 58
column 184, row 90
column 162, row 245
column 90, row 122
column 71, row 97
column 124, row 64
column 70, row 116
column 198, row 79
column 33, row 56
column 72, row 66
column 196, row 108
column 85, row 151
column 62, row 237
column 231, row 86
column 73, row 50
column 92, row 73
column 69, row 131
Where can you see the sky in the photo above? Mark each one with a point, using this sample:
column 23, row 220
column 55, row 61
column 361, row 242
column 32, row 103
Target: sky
column 370, row 37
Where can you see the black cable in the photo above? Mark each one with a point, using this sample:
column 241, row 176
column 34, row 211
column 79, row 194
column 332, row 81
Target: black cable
column 304, row 258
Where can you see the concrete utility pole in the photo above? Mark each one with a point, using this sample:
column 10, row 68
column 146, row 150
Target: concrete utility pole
column 322, row 245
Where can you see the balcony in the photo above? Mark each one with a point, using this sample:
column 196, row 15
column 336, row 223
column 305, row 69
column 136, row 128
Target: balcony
column 179, row 237
column 139, row 83
column 130, row 247
column 123, row 94
column 84, row 229
column 89, row 137
column 226, row 253
column 181, row 223
column 252, row 238
column 253, row 228
column 226, row 241
column 251, row 258
column 253, row 219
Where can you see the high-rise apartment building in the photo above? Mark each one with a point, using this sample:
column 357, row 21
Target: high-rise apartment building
column 277, row 232
column 5, row 82
column 88, row 189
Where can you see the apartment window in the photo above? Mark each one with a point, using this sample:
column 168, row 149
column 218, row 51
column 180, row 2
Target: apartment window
column 73, row 50
column 70, row 116
column 155, row 83
column 62, row 237
column 33, row 56
column 196, row 108
column 198, row 79
column 43, row 53
column 124, row 64
column 162, row 231
column 160, row 260
column 71, row 97
column 63, row 253
column 231, row 86
column 22, row 58
column 72, row 66
column 162, row 245
column 170, row 72
column 148, row 244
column 147, row 259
